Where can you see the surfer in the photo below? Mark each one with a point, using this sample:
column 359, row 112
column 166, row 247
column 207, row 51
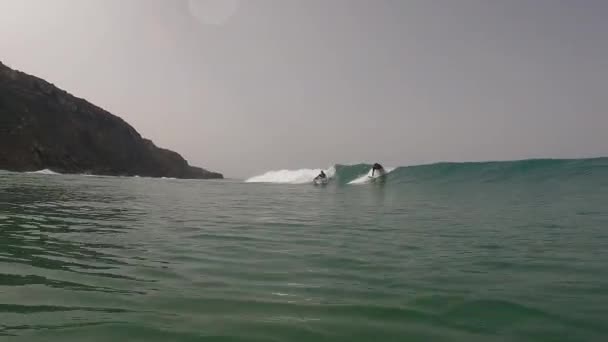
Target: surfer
column 321, row 179
column 377, row 167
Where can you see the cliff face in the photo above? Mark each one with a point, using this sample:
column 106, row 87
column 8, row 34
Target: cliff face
column 43, row 127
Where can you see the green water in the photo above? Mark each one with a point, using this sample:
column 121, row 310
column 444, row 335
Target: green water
column 467, row 252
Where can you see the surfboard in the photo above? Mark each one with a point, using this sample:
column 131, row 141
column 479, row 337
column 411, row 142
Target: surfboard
column 320, row 181
column 379, row 175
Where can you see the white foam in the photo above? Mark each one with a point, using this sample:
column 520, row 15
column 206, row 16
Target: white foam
column 301, row 176
column 366, row 178
column 44, row 172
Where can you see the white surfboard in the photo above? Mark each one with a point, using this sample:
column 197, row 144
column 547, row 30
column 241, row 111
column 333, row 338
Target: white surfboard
column 377, row 174
column 320, row 181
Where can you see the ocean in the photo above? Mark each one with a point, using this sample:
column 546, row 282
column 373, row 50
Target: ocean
column 498, row 251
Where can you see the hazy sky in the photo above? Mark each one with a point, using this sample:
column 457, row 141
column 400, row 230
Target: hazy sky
column 247, row 86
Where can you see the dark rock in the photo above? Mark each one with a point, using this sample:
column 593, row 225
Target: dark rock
column 44, row 127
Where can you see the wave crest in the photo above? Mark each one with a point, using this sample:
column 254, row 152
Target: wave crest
column 453, row 173
column 44, row 172
column 301, row 176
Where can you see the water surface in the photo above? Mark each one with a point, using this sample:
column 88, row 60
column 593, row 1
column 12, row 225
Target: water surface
column 447, row 253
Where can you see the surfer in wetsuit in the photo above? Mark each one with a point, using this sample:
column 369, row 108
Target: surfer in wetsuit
column 377, row 167
column 321, row 175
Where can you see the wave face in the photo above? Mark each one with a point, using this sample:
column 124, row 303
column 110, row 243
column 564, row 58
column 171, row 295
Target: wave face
column 533, row 170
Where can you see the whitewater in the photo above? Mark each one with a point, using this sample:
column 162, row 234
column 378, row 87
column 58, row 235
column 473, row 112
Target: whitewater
column 301, row 176
column 49, row 172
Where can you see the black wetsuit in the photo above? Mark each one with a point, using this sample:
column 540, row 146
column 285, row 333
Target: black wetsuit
column 376, row 167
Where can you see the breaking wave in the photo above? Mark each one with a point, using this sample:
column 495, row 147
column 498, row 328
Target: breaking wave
column 44, row 172
column 301, row 176
column 454, row 173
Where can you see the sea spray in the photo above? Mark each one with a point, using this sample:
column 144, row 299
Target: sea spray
column 301, row 176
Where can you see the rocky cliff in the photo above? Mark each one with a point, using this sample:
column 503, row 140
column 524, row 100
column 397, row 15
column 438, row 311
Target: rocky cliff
column 44, row 127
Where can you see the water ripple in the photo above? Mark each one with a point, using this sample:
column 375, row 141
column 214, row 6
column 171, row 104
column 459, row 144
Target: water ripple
column 101, row 258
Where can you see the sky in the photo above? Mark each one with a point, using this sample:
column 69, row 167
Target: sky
column 247, row 86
